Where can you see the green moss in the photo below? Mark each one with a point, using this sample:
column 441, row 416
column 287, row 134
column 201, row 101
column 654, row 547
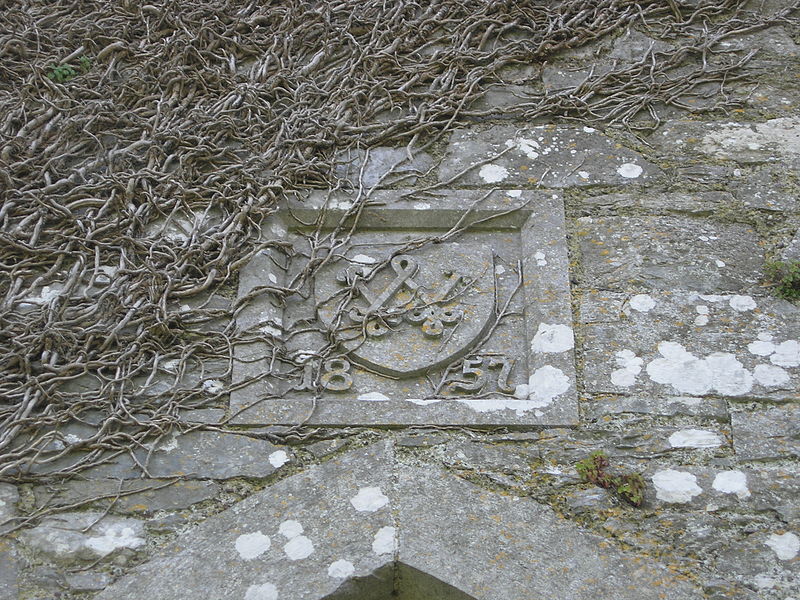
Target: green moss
column 785, row 277
column 628, row 486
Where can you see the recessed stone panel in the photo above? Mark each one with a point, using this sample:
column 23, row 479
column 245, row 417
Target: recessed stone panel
column 428, row 326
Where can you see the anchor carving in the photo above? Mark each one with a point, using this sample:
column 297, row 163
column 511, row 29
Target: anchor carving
column 430, row 314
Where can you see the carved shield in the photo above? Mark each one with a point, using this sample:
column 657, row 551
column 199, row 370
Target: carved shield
column 418, row 311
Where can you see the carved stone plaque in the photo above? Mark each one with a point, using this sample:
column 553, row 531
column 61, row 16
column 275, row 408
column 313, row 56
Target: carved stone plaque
column 404, row 323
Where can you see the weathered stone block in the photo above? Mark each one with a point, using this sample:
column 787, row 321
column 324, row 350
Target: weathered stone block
column 155, row 494
column 695, row 204
column 767, row 433
column 83, row 536
column 689, row 344
column 548, row 155
column 771, row 141
column 668, row 253
column 384, row 166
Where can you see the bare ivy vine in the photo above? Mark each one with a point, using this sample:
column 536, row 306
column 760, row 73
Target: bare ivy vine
column 144, row 146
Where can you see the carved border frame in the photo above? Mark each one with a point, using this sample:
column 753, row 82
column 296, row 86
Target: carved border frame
column 537, row 216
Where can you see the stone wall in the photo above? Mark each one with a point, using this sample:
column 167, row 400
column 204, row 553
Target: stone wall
column 686, row 368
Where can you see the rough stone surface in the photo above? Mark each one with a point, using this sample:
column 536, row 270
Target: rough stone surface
column 768, row 433
column 668, row 253
column 201, row 455
column 331, row 527
column 10, row 565
column 697, row 204
column 9, row 496
column 771, row 141
column 792, row 250
column 765, row 188
column 155, row 495
column 88, row 581
column 291, row 532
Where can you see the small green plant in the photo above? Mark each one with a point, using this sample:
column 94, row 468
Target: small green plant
column 62, row 73
column 628, row 486
column 785, row 276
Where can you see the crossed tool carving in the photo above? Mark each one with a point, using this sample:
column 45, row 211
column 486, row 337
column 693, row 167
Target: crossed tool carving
column 431, row 316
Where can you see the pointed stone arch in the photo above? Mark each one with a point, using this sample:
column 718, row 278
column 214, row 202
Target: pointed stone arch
column 367, row 526
column 397, row 581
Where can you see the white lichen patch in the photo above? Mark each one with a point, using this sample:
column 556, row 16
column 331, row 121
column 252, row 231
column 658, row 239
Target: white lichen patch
column 642, row 303
column 688, row 374
column 171, row 365
column 421, row 402
column 675, row 487
column 369, row 499
column 514, row 193
column 785, row 354
column 385, row 541
column 694, row 438
column 252, row 545
column 781, row 134
column 487, row 405
column 363, row 259
column 771, row 376
column 629, row 170
column 545, row 385
column 264, row 591
column 298, row 548
column 527, row 146
column 499, row 270
column 114, row 536
column 732, row 482
column 213, row 386
column 341, row 569
column 630, row 366
column 278, row 458
column 786, row 546
column 290, row 529
column 340, row 204
column 373, row 397
column 702, row 315
column 270, row 330
column 553, row 338
column 421, row 206
column 493, row 173
column 742, row 303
